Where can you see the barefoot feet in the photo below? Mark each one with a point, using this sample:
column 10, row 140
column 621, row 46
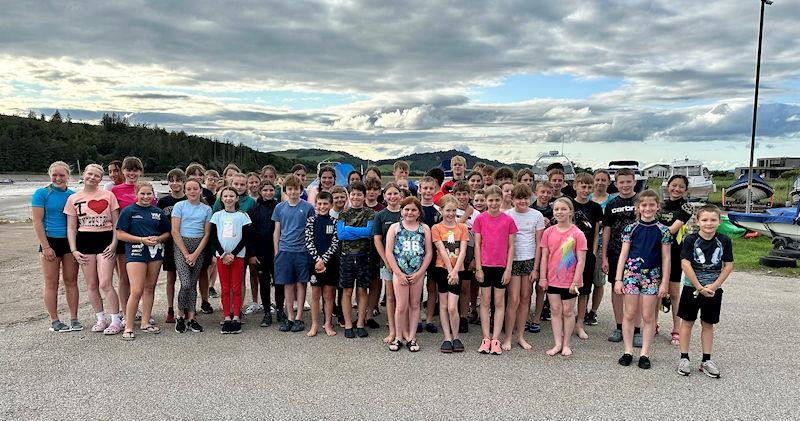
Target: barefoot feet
column 554, row 350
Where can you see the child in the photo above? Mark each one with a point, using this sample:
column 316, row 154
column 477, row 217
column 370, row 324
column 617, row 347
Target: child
column 563, row 258
column 373, row 202
column 299, row 171
column 479, row 200
column 588, row 215
column 229, row 237
column 507, row 188
column 619, row 213
column 353, row 177
column 600, row 196
column 544, row 192
column 525, row 266
column 502, row 175
column 175, row 178
column 525, row 176
column 373, row 186
column 291, row 256
column 475, row 181
column 354, row 229
column 642, row 274
column 144, row 228
column 488, row 175
column 323, row 248
column 495, row 236
column 191, row 227
column 674, row 214
column 408, row 253
column 253, row 190
column 268, row 172
column 707, row 261
column 339, row 201
column 450, row 239
column 382, row 222
column 239, row 183
column 327, row 179
column 263, row 250
column 466, row 214
column 430, row 216
column 212, row 184
column 400, row 170
column 458, row 165
column 253, row 181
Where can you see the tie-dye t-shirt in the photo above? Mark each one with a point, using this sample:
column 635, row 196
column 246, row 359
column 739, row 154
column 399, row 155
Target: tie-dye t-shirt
column 563, row 258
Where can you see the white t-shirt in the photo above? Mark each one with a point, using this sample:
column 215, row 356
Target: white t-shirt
column 459, row 213
column 527, row 223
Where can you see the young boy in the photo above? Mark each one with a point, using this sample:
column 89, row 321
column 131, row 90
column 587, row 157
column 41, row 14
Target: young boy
column 400, row 170
column 354, row 229
column 339, row 195
column 374, row 188
column 544, row 194
column 466, row 214
column 488, row 175
column 431, row 217
column 323, row 248
column 479, row 200
column 263, row 250
column 557, row 177
column 176, row 178
column 707, row 261
column 291, row 257
column 458, row 164
column 588, row 216
column 619, row 213
column 503, row 175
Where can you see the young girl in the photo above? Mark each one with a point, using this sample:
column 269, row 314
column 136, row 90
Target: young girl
column 508, row 200
column 144, row 228
column 642, row 274
column 91, row 217
column 353, row 177
column 327, row 179
column 380, row 228
column 253, row 181
column 495, row 234
column 600, row 195
column 674, row 214
column 190, row 232
column 50, row 227
column 450, row 239
column 262, row 248
column 228, row 237
column 408, row 253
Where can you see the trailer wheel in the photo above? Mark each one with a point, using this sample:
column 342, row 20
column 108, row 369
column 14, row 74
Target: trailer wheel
column 777, row 262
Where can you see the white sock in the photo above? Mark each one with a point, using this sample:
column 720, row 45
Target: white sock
column 101, row 316
column 115, row 318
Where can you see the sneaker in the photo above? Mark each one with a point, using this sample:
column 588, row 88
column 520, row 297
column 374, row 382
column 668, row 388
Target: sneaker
column 194, row 326
column 684, row 367
column 376, row 312
column 372, row 324
column 212, row 293
column 100, row 326
column 446, row 348
column 545, row 314
column 306, row 306
column 644, row 362
column 625, row 360
column 298, row 326
column 710, row 368
column 590, row 319
column 180, row 325
column 463, row 325
column 206, row 308
column 431, row 328
column 236, row 326
column 666, row 303
column 59, row 326
column 458, row 346
column 76, row 326
column 495, row 347
column 348, row 333
column 361, row 332
column 535, row 328
column 267, row 320
column 637, row 340
column 420, row 327
column 170, row 317
column 226, row 327
column 616, row 336
column 486, row 345
column 250, row 309
column 286, row 325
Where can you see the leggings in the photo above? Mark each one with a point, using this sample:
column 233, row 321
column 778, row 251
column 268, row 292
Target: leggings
column 264, row 280
column 230, row 281
column 187, row 296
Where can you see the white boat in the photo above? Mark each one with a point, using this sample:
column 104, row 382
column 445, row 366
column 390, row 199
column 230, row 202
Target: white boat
column 700, row 182
column 614, row 166
column 553, row 157
column 795, row 193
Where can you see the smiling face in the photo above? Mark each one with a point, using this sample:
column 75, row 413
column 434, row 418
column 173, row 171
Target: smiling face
column 410, row 212
column 131, row 176
column 479, row 201
column 212, row 183
column 292, row 192
column 449, row 212
column 144, row 196
column 240, row 184
column 475, row 182
column 267, row 192
column 176, row 186
column 392, row 196
column 115, row 173
column 625, row 184
column 427, row 190
column 229, row 198
column 543, row 194
column 322, row 206
column 92, row 176
column 508, row 189
column 676, row 189
column 327, row 180
column 356, row 198
column 493, row 203
column 562, row 212
column 521, row 204
column 197, row 176
column 583, row 191
column 647, row 207
column 252, row 184
column 557, row 180
column 708, row 222
column 463, row 198
column 526, row 179
column 339, row 201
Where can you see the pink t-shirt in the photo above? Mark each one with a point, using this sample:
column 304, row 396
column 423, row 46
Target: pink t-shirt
column 93, row 210
column 494, row 231
column 563, row 250
column 126, row 195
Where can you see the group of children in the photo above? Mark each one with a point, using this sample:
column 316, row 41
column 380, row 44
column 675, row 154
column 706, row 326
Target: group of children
column 484, row 244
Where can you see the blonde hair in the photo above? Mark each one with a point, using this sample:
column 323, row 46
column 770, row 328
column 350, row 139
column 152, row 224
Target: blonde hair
column 448, row 199
column 458, row 158
column 492, row 190
column 142, row 184
column 567, row 202
column 98, row 167
column 60, row 164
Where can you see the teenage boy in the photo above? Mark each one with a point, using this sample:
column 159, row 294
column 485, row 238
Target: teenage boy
column 557, row 176
column 400, row 170
column 431, row 217
column 323, row 248
column 458, row 164
column 176, row 179
column 354, row 229
column 588, row 216
column 619, row 213
column 707, row 261
column 291, row 257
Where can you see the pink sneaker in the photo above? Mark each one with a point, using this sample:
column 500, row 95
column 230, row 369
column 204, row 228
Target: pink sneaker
column 496, row 350
column 100, row 326
column 485, row 345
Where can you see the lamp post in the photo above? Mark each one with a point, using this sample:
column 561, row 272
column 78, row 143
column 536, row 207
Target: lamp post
column 749, row 207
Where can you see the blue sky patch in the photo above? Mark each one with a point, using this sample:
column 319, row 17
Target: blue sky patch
column 532, row 86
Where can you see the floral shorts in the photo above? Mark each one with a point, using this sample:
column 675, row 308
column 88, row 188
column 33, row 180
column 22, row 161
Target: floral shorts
column 638, row 280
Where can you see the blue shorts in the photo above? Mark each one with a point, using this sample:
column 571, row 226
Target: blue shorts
column 140, row 253
column 291, row 267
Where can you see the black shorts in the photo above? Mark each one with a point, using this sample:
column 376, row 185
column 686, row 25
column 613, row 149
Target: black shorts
column 355, row 270
column 588, row 275
column 120, row 247
column 440, row 276
column 563, row 292
column 208, row 257
column 60, row 246
column 168, row 264
column 675, row 270
column 708, row 308
column 521, row 267
column 93, row 242
column 612, row 268
column 470, row 256
column 493, row 277
column 266, row 265
column 329, row 278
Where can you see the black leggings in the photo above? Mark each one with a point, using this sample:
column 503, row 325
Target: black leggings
column 264, row 282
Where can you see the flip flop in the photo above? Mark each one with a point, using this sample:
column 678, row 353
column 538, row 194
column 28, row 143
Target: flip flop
column 395, row 345
column 128, row 336
column 413, row 346
column 151, row 329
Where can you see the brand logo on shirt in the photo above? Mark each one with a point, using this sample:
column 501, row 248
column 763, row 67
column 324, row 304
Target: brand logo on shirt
column 155, row 216
column 137, row 217
column 629, row 208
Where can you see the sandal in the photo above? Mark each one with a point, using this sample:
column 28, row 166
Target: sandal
column 112, row 329
column 676, row 338
column 128, row 336
column 151, row 329
column 412, row 345
column 395, row 345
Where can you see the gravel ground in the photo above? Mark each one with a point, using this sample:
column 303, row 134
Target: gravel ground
column 264, row 372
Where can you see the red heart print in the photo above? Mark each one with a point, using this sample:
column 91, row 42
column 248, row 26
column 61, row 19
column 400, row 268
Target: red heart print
column 98, row 206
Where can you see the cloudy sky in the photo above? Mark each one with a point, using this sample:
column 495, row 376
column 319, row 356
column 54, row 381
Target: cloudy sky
column 647, row 80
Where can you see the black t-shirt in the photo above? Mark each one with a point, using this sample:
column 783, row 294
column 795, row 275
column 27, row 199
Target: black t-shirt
column 547, row 211
column 587, row 216
column 674, row 210
column 569, row 191
column 430, row 216
column 166, row 204
column 209, row 197
column 706, row 256
column 618, row 214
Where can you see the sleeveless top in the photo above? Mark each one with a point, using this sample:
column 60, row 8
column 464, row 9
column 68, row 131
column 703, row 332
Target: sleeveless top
column 409, row 248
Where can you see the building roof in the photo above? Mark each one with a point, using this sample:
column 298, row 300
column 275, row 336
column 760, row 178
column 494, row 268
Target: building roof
column 665, row 166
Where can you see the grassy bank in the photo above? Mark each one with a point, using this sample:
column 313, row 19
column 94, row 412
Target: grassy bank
column 782, row 188
column 746, row 252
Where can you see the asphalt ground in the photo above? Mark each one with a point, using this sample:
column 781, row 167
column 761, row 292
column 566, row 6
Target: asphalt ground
column 264, row 373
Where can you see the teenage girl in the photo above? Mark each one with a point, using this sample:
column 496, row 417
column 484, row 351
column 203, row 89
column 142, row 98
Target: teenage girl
column 190, row 232
column 50, row 227
column 450, row 239
column 383, row 221
column 327, row 179
column 91, row 217
column 563, row 258
column 144, row 228
column 408, row 253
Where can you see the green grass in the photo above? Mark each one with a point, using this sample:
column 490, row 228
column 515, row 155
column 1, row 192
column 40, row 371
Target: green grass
column 746, row 252
column 782, row 188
